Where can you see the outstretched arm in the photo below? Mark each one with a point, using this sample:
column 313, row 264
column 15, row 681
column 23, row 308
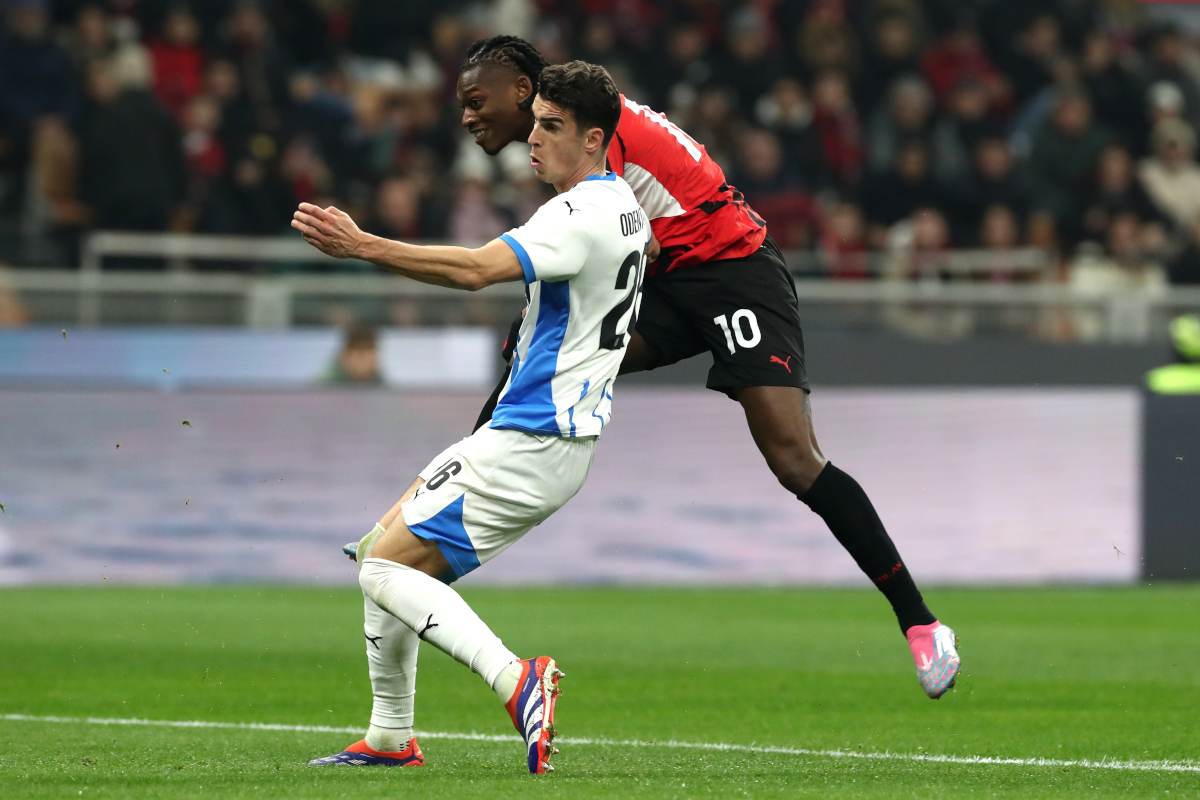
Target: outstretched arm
column 331, row 231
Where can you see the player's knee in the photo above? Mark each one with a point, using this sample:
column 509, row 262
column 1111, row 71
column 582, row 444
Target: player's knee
column 795, row 466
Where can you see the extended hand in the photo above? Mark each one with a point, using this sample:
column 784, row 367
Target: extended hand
column 653, row 250
column 330, row 230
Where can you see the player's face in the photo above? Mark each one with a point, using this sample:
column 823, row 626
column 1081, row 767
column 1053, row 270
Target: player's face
column 559, row 149
column 490, row 100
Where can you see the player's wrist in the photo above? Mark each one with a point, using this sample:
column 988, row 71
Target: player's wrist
column 364, row 246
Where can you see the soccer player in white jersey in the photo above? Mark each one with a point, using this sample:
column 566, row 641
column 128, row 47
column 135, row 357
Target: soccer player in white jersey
column 582, row 257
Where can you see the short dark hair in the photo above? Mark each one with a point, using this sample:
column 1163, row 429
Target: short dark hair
column 587, row 91
column 512, row 52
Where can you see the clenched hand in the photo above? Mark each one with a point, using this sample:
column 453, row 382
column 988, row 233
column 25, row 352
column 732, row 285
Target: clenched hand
column 330, row 230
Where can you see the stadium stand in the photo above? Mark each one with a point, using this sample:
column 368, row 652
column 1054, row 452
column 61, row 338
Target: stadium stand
column 872, row 135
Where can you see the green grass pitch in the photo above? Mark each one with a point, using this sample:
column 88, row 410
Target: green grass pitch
column 1066, row 674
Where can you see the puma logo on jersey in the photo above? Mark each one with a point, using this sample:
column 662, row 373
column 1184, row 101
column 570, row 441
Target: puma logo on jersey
column 570, row 210
column 778, row 360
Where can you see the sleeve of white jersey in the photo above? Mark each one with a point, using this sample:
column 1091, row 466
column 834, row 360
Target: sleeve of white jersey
column 554, row 243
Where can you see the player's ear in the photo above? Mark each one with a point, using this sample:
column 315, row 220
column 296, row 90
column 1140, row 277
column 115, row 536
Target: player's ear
column 593, row 140
column 523, row 92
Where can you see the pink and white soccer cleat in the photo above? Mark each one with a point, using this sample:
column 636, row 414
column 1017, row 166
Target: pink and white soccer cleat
column 532, row 710
column 360, row 754
column 933, row 648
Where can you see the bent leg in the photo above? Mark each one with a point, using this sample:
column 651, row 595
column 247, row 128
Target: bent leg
column 639, row 356
column 780, row 420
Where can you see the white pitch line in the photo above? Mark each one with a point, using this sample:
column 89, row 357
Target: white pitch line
column 1105, row 763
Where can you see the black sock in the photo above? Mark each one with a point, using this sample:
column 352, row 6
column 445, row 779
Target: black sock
column 848, row 512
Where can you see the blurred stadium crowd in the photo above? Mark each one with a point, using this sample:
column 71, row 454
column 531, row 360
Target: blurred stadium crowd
column 850, row 125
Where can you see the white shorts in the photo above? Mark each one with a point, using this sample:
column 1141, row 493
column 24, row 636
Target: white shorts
column 485, row 492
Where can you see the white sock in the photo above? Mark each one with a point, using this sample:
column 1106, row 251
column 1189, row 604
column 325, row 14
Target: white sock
column 506, row 681
column 392, row 664
column 438, row 614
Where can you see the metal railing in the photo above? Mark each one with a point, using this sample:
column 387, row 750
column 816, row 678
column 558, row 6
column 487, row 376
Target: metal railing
column 271, row 300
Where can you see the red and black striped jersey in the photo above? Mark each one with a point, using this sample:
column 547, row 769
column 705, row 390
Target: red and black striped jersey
column 694, row 212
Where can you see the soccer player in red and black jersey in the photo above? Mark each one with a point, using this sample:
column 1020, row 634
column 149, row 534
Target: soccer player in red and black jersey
column 718, row 284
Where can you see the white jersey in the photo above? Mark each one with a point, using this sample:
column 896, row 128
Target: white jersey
column 583, row 255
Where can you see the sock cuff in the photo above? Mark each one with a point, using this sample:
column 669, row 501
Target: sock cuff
column 490, row 661
column 367, row 543
column 826, row 482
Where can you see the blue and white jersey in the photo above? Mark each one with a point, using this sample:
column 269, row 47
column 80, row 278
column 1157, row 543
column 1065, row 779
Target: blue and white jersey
column 583, row 254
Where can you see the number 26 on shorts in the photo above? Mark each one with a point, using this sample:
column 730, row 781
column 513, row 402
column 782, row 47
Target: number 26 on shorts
column 742, row 327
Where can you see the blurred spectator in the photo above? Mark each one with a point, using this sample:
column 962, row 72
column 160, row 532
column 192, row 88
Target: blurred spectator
column 1184, row 269
column 204, row 152
column 908, row 114
column 249, row 199
column 1171, row 177
column 674, row 80
column 1113, row 90
column 397, row 210
column 787, row 112
column 825, row 40
column 955, row 135
column 1114, row 190
column 750, row 66
column 178, row 62
column 773, row 189
column 262, row 64
column 132, row 171
column 1063, row 151
column 894, row 51
column 91, row 38
column 895, row 195
column 388, row 29
column 961, row 55
column 992, row 181
column 36, row 79
column 52, row 204
column 222, row 83
column 475, row 219
column 844, row 242
column 305, row 170
column 357, row 362
column 1125, row 266
column 1030, row 65
column 999, row 229
column 713, row 124
column 838, row 123
column 918, row 251
column 1164, row 61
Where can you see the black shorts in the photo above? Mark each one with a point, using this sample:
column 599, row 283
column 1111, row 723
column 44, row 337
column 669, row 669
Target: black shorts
column 742, row 310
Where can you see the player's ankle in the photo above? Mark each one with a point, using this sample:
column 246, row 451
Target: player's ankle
column 388, row 740
column 506, row 682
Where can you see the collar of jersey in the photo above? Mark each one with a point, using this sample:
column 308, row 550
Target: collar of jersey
column 608, row 176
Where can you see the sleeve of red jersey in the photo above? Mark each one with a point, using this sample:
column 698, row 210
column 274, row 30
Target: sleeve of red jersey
column 553, row 244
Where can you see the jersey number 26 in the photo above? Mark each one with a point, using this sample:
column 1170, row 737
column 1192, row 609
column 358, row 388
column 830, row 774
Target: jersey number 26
column 629, row 277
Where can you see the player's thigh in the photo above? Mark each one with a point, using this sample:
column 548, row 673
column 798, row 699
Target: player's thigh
column 748, row 313
column 662, row 334
column 483, row 494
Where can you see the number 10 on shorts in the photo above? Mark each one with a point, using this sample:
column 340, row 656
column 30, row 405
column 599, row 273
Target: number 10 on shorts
column 743, row 327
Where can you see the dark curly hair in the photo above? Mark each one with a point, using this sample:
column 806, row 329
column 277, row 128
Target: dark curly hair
column 508, row 51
